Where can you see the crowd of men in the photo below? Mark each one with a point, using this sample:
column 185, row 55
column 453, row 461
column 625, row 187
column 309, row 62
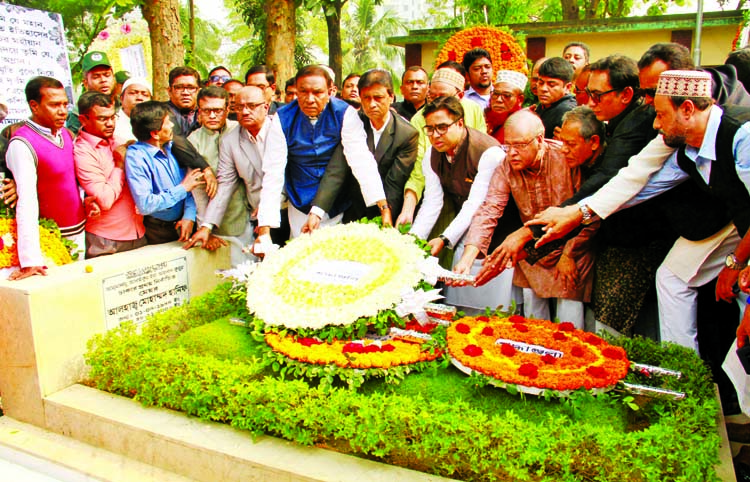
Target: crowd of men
column 589, row 182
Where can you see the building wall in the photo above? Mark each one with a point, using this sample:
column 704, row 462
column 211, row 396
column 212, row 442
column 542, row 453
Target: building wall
column 716, row 44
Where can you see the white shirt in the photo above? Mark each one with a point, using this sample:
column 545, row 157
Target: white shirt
column 378, row 133
column 123, row 128
column 432, row 203
column 358, row 156
column 22, row 162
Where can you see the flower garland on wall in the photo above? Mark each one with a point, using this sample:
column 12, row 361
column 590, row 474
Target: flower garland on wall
column 536, row 353
column 506, row 53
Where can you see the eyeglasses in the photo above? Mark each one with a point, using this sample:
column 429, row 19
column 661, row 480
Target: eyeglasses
column 248, row 106
column 597, row 96
column 648, row 92
column 210, row 112
column 517, row 146
column 219, row 78
column 439, row 129
column 185, row 87
column 505, row 95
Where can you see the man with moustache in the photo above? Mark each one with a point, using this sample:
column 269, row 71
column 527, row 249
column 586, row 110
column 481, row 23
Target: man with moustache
column 134, row 91
column 478, row 65
column 40, row 155
column 537, row 173
column 240, row 170
column 303, row 137
column 414, row 83
column 118, row 227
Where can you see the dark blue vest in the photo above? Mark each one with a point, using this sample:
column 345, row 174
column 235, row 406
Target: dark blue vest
column 309, row 149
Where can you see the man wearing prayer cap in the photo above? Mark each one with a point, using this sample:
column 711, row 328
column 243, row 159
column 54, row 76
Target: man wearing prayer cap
column 506, row 98
column 713, row 150
column 134, row 91
column 447, row 81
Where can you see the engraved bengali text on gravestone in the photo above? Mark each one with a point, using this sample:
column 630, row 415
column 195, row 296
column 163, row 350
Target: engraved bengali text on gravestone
column 138, row 293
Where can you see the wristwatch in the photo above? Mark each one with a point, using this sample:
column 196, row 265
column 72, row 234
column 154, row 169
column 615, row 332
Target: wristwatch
column 733, row 263
column 446, row 241
column 588, row 215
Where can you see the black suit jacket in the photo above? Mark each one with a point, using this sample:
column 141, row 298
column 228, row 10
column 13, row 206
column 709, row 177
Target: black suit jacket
column 395, row 154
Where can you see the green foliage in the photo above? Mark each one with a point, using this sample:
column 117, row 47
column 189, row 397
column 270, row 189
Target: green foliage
column 366, row 31
column 201, row 56
column 437, row 421
column 254, row 49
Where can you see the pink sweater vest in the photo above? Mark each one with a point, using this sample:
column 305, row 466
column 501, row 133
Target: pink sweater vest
column 57, row 188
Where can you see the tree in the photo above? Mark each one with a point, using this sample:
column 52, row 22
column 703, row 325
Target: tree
column 331, row 10
column 167, row 49
column 258, row 50
column 281, row 30
column 367, row 31
column 202, row 55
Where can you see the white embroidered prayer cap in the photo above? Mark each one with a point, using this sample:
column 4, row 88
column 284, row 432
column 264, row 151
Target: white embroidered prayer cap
column 450, row 77
column 516, row 79
column 684, row 83
column 136, row 81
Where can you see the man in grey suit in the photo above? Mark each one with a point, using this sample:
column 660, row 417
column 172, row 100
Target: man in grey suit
column 240, row 160
column 391, row 139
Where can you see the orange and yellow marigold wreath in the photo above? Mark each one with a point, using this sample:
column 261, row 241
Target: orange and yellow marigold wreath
column 587, row 360
column 350, row 354
column 53, row 249
column 502, row 46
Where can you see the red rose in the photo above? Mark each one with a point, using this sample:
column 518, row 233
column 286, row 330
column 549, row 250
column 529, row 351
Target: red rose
column 308, row 341
column 566, row 326
column 476, row 42
column 528, row 370
column 463, row 328
column 483, row 318
column 559, row 336
column 473, row 350
column 353, row 348
column 487, row 331
column 577, row 351
column 452, row 55
column 549, row 359
column 596, row 372
column 506, row 56
column 593, row 340
column 507, row 349
column 372, row 349
column 387, row 348
column 517, row 319
column 613, row 353
column 520, row 327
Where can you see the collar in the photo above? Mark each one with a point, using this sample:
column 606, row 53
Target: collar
column 612, row 124
column 152, row 150
column 96, row 141
column 470, row 91
column 44, row 130
column 707, row 149
column 385, row 124
column 541, row 108
column 262, row 133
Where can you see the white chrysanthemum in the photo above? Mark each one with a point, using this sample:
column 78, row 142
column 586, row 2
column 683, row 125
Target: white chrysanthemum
column 334, row 276
column 8, row 240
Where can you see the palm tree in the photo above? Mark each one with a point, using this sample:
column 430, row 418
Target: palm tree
column 366, row 31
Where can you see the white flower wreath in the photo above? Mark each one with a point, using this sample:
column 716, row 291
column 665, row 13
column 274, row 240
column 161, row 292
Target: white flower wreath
column 334, row 276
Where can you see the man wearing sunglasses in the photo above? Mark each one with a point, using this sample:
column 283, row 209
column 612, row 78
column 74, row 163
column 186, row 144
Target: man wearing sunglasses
column 218, row 76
